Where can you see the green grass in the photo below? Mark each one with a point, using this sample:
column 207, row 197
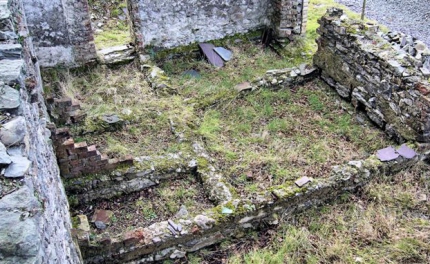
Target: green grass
column 115, row 31
column 112, row 37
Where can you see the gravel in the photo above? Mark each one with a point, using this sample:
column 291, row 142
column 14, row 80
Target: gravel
column 411, row 17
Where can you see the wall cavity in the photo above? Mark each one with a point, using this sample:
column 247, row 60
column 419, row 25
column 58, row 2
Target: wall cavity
column 35, row 225
column 61, row 31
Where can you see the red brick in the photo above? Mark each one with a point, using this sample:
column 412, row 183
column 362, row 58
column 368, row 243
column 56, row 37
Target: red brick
column 81, row 145
column 69, row 143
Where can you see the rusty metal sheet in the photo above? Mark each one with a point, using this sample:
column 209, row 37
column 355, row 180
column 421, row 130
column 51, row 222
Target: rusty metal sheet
column 211, row 55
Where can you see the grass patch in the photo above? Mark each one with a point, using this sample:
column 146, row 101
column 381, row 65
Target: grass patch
column 115, row 30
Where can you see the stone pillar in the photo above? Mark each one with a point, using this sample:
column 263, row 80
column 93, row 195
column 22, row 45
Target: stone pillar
column 289, row 17
column 61, row 31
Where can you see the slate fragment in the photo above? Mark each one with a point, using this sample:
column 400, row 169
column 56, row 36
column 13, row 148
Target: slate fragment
column 387, row 154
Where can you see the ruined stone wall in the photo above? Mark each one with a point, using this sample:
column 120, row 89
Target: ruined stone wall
column 61, row 31
column 174, row 238
column 386, row 75
column 168, row 23
column 289, row 17
column 35, row 225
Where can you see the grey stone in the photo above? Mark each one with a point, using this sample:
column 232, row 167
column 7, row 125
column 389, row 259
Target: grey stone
column 18, row 167
column 117, row 55
column 245, row 86
column 4, row 10
column 7, row 35
column 183, row 212
column 10, row 71
column 302, row 181
column 356, row 163
column 100, row 225
column 204, row 221
column 4, row 157
column 156, row 240
column 10, row 51
column 343, row 91
column 20, row 239
column 420, row 46
column 225, row 54
column 13, row 132
column 9, row 97
column 172, row 230
column 173, row 225
column 177, row 254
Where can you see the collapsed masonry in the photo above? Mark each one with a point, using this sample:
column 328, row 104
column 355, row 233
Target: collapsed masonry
column 398, row 103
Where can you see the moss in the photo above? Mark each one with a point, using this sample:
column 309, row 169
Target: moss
column 73, row 200
column 75, row 222
column 203, row 164
column 287, row 190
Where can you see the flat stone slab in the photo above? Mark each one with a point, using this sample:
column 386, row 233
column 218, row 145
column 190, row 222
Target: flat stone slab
column 225, row 54
column 211, row 55
column 387, row 154
column 4, row 10
column 10, row 51
column 243, row 86
column 18, row 168
column 406, row 152
column 9, row 97
column 10, row 71
column 117, row 55
column 13, row 132
column 302, row 181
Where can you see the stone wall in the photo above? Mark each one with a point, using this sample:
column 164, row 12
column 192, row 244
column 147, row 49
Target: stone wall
column 35, row 225
column 289, row 17
column 61, row 31
column 386, row 75
column 168, row 23
column 174, row 238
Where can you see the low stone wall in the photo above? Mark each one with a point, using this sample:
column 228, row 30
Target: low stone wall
column 177, row 236
column 147, row 172
column 289, row 17
column 168, row 24
column 35, row 224
column 387, row 77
